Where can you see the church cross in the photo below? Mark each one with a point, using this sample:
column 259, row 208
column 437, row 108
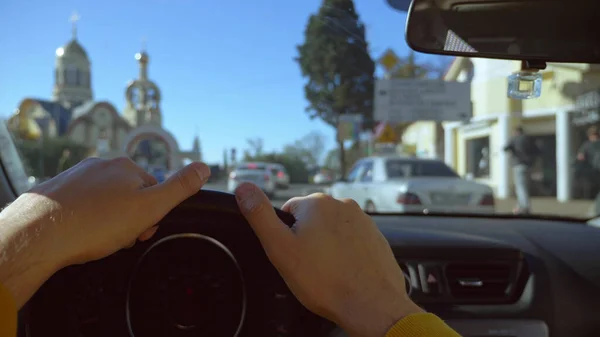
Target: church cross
column 74, row 18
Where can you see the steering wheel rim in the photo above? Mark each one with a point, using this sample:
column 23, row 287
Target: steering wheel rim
column 217, row 201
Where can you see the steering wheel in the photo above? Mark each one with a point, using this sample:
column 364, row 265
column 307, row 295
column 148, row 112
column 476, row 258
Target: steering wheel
column 204, row 273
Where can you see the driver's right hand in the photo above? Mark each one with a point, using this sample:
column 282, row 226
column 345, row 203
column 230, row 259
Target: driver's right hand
column 334, row 259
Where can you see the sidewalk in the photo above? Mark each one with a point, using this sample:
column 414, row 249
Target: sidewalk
column 550, row 206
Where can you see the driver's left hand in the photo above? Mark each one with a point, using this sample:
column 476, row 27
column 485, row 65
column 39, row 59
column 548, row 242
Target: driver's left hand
column 98, row 207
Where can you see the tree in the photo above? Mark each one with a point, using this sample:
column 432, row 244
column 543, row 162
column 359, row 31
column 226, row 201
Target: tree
column 334, row 58
column 256, row 147
column 353, row 154
column 46, row 157
column 409, row 68
column 309, row 148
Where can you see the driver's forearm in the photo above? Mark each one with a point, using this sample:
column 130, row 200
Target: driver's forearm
column 23, row 268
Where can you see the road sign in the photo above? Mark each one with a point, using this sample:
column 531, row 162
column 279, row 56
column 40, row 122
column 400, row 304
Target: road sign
column 349, row 127
column 409, row 100
column 389, row 60
column 386, row 133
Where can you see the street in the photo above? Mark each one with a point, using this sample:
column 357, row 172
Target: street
column 281, row 197
column 546, row 206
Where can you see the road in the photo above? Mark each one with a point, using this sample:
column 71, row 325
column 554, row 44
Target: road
column 282, row 195
column 546, row 206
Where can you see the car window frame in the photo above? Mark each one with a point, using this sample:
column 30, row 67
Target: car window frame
column 368, row 166
column 358, row 167
column 410, row 165
column 421, row 165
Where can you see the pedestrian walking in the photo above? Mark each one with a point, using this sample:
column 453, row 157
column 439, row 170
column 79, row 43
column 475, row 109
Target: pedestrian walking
column 524, row 151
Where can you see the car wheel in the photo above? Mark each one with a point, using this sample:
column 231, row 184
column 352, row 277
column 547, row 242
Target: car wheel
column 370, row 207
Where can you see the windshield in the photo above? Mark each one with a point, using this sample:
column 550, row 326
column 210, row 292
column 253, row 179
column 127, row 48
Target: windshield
column 314, row 86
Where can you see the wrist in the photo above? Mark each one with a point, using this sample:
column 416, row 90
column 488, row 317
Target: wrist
column 377, row 317
column 24, row 266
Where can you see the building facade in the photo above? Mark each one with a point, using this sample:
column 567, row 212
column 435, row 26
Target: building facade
column 72, row 112
column 554, row 120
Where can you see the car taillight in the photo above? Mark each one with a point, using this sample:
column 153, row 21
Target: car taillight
column 232, row 175
column 408, row 199
column 487, row 200
column 280, row 174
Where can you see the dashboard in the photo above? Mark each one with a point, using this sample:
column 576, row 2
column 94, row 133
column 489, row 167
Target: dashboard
column 205, row 274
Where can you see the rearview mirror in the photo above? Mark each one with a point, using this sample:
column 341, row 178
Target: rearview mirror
column 532, row 30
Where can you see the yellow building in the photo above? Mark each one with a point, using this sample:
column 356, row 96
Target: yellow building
column 549, row 119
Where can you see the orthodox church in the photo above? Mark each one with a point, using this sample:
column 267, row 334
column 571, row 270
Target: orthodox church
column 72, row 112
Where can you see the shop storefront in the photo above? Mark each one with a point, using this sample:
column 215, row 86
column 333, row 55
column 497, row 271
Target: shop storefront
column 587, row 114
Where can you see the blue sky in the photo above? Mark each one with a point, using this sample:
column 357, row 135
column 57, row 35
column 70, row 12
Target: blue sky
column 225, row 68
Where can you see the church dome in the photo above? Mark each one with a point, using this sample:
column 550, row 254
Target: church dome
column 73, row 48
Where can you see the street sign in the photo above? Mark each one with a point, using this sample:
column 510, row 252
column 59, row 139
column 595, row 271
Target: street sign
column 386, row 133
column 349, row 127
column 409, row 100
column 588, row 108
column 389, row 60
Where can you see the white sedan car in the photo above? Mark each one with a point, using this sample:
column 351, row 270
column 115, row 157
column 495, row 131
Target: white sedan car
column 396, row 184
column 257, row 173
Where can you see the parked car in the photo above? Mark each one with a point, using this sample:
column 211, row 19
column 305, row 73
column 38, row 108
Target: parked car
column 323, row 178
column 282, row 178
column 396, row 184
column 257, row 173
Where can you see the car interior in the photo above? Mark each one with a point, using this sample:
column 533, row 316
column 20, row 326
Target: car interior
column 502, row 276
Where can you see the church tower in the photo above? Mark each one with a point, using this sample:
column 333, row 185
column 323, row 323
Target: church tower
column 143, row 96
column 196, row 148
column 72, row 74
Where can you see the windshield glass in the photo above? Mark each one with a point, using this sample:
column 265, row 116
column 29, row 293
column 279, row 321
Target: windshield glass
column 314, row 86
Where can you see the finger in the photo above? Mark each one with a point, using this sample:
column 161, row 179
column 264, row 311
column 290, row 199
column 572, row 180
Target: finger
column 274, row 235
column 290, row 205
column 148, row 180
column 147, row 234
column 180, row 186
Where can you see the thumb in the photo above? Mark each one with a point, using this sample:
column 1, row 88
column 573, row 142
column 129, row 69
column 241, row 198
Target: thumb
column 180, row 186
column 275, row 237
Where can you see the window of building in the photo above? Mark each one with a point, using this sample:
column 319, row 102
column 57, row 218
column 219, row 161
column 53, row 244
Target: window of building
column 478, row 157
column 102, row 143
column 71, row 75
column 82, row 78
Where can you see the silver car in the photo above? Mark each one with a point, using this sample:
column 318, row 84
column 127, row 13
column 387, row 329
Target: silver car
column 257, row 173
column 282, row 178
